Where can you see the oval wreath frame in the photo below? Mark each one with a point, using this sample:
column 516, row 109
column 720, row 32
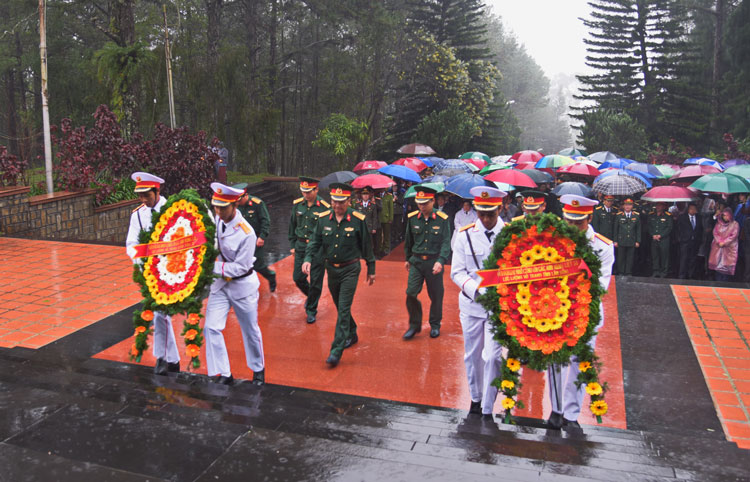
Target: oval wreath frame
column 508, row 382
column 191, row 304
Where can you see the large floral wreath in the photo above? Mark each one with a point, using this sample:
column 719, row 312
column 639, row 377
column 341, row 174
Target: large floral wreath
column 178, row 253
column 543, row 291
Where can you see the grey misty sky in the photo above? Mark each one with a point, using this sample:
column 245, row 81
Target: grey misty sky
column 550, row 30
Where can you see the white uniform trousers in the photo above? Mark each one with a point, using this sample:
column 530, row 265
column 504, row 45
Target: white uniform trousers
column 473, row 331
column 165, row 344
column 246, row 311
column 493, row 354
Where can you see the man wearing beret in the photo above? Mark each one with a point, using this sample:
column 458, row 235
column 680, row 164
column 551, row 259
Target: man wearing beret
column 255, row 212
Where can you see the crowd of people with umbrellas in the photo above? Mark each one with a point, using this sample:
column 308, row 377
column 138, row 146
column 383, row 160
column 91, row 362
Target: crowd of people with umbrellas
column 691, row 213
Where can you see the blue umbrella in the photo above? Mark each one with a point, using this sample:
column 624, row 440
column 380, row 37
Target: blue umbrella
column 451, row 164
column 704, row 161
column 628, row 172
column 462, row 183
column 426, row 161
column 643, row 167
column 400, row 172
column 577, row 188
column 618, row 163
column 435, row 178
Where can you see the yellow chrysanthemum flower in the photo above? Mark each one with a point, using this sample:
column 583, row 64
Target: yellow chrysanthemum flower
column 508, row 403
column 584, row 366
column 524, row 310
column 523, row 297
column 599, row 407
column 594, row 388
column 513, row 364
column 565, row 303
column 527, row 258
column 563, row 292
column 543, row 325
column 550, row 254
column 538, row 251
column 561, row 315
column 528, row 321
column 507, row 385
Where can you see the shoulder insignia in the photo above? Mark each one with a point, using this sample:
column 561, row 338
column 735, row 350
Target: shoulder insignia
column 245, row 228
column 324, row 203
column 668, row 213
column 324, row 213
column 358, row 215
column 603, row 238
column 442, row 214
column 298, row 200
column 468, row 226
column 413, row 213
column 139, row 207
column 517, row 218
column 256, row 200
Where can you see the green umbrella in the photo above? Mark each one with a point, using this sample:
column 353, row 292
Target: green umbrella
column 437, row 186
column 493, row 167
column 721, row 182
column 742, row 170
column 475, row 155
column 572, row 151
column 666, row 171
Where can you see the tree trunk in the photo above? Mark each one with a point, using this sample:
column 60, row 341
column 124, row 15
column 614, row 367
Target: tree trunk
column 213, row 18
column 716, row 74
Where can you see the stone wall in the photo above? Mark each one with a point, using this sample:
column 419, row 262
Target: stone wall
column 62, row 215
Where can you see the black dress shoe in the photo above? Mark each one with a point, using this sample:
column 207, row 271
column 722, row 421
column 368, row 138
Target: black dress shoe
column 224, row 380
column 435, row 332
column 571, row 423
column 161, row 367
column 173, row 367
column 351, row 341
column 272, row 284
column 310, row 319
column 411, row 332
column 555, row 421
column 259, row 378
column 333, row 360
column 476, row 407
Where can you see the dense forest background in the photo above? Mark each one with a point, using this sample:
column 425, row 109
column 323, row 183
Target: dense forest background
column 295, row 86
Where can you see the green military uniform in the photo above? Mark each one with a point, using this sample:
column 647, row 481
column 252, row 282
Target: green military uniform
column 660, row 226
column 428, row 240
column 256, row 214
column 386, row 220
column 372, row 216
column 301, row 228
column 341, row 244
column 603, row 221
column 627, row 233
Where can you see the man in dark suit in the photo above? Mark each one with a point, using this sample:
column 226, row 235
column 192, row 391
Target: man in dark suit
column 689, row 235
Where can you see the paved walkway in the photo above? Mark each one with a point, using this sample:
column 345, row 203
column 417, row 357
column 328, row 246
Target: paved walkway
column 718, row 321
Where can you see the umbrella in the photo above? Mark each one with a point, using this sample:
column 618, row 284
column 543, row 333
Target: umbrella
column 572, row 151
column 412, row 191
column 416, row 150
column 722, row 182
column 579, row 169
column 450, row 167
column 497, row 159
column 400, row 172
column 527, row 156
column 645, row 168
column 603, row 156
column 476, row 162
column 553, row 161
column 474, row 155
column 412, row 163
column 503, row 186
column 694, row 171
column 493, row 167
column 338, row 176
column 577, row 188
column 732, row 163
column 666, row 171
column 368, row 165
column 619, row 163
column 620, row 184
column 514, row 177
column 427, row 161
column 436, row 178
column 642, row 176
column 742, row 170
column 539, row 177
column 375, row 181
column 670, row 194
column 461, row 184
column 585, row 160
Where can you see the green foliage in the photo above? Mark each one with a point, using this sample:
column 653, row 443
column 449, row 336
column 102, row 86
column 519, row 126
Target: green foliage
column 341, row 136
column 605, row 130
column 448, row 131
column 123, row 191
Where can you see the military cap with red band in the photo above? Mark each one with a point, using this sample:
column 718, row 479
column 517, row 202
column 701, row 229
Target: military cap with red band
column 340, row 191
column 533, row 199
column 487, row 198
column 225, row 195
column 145, row 181
column 424, row 194
column 307, row 184
column 577, row 207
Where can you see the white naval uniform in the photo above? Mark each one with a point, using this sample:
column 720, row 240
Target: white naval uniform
column 461, row 219
column 236, row 241
column 164, row 344
column 571, row 397
column 481, row 352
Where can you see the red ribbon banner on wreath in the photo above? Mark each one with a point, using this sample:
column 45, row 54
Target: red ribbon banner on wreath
column 536, row 272
column 166, row 247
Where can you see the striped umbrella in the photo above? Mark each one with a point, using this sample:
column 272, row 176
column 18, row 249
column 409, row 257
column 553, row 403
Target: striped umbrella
column 554, row 161
column 619, row 184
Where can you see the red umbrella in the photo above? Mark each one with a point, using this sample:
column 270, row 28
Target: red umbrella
column 412, row 163
column 527, row 156
column 368, row 165
column 695, row 171
column 513, row 177
column 579, row 169
column 480, row 163
column 669, row 194
column 375, row 181
column 416, row 150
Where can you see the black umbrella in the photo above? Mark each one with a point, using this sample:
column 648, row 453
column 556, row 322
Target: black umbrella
column 338, row 176
column 539, row 177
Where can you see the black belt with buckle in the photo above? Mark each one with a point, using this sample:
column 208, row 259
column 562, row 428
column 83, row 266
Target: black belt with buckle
column 426, row 257
column 341, row 265
column 227, row 278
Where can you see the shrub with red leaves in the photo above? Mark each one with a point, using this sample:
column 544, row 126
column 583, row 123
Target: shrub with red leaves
column 12, row 168
column 674, row 153
column 733, row 149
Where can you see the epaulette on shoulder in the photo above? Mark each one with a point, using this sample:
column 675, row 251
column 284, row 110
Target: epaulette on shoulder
column 517, row 218
column 324, row 213
column 245, row 228
column 468, row 226
column 413, row 213
column 603, row 238
column 324, row 203
column 256, row 200
column 667, row 213
column 358, row 215
column 139, row 207
column 442, row 214
column 298, row 200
